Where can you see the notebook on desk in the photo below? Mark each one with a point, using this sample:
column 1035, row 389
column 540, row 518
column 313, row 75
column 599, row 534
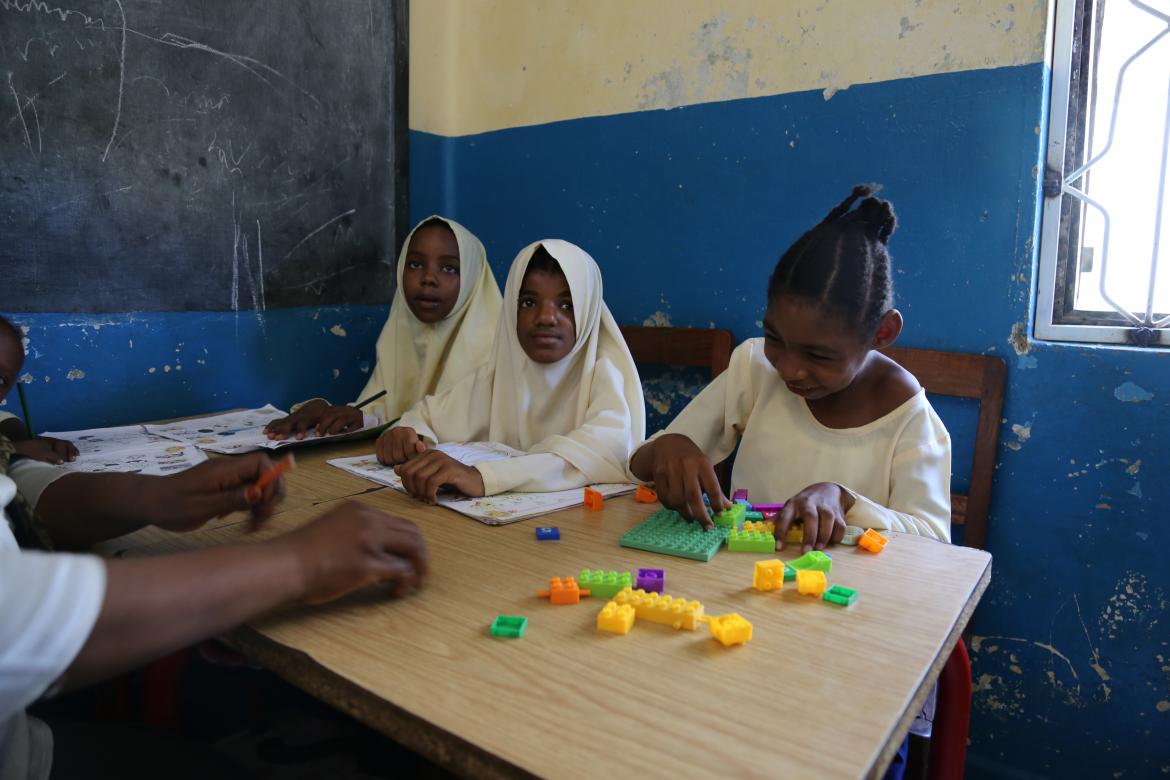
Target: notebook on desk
column 500, row 509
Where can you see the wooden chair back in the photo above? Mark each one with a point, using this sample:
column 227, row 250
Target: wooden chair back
column 979, row 377
column 693, row 347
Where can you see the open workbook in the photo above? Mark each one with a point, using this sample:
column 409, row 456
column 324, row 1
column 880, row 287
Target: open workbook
column 171, row 447
column 499, row 509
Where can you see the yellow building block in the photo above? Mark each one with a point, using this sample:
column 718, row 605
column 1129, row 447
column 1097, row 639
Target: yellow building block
column 769, row 575
column 660, row 608
column 811, row 583
column 761, row 527
column 616, row 618
column 731, row 629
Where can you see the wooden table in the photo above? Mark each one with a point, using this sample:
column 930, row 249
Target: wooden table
column 820, row 691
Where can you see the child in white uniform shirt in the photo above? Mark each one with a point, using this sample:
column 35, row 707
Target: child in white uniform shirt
column 825, row 423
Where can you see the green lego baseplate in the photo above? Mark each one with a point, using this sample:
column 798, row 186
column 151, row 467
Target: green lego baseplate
column 604, row 584
column 669, row 533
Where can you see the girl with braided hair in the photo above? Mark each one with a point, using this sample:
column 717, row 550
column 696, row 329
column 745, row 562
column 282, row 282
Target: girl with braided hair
column 823, row 420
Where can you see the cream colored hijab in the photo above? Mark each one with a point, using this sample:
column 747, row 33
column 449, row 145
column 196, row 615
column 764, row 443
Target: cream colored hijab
column 586, row 408
column 415, row 358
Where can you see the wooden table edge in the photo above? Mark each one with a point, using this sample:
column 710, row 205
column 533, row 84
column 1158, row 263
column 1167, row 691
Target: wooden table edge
column 418, row 734
column 902, row 728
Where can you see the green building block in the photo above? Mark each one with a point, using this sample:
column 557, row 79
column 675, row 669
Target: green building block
column 789, row 573
column 750, row 541
column 510, row 626
column 604, row 584
column 814, row 560
column 731, row 518
column 840, row 595
column 669, row 533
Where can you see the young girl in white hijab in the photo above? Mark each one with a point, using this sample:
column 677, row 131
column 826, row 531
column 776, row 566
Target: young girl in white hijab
column 439, row 330
column 560, row 385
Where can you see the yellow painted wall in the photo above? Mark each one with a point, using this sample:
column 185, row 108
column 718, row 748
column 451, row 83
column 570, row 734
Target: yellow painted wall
column 480, row 65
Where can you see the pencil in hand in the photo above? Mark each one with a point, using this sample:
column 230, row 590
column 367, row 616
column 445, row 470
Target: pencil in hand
column 253, row 492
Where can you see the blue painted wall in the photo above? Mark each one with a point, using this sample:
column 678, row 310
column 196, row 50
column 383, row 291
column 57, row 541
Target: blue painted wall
column 686, row 211
column 86, row 371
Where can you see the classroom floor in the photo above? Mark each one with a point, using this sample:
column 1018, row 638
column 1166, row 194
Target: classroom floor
column 226, row 711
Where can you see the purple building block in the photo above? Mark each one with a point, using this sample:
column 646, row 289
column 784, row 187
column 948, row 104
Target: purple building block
column 651, row 580
column 740, row 494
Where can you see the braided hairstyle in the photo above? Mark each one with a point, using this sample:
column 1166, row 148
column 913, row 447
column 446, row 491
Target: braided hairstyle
column 842, row 263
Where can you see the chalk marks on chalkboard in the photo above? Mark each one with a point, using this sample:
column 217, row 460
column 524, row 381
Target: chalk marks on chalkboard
column 121, row 81
column 23, row 121
column 342, row 215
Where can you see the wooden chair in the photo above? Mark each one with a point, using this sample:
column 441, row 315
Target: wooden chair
column 979, row 377
column 693, row 347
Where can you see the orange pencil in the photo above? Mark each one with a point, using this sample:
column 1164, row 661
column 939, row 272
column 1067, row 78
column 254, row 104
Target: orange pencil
column 270, row 476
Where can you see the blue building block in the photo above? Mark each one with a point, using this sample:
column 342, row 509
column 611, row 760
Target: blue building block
column 669, row 533
column 548, row 533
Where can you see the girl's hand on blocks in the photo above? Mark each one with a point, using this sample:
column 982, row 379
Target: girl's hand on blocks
column 425, row 475
column 353, row 546
column 299, row 422
column 339, row 419
column 682, row 473
column 214, row 488
column 399, row 445
column 47, row 449
column 821, row 507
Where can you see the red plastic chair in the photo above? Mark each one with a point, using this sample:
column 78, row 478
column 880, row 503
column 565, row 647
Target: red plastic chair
column 948, row 741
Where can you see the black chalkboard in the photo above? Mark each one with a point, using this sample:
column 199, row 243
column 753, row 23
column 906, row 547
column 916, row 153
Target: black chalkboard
column 200, row 154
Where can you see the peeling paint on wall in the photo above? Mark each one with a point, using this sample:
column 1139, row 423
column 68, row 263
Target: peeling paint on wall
column 1128, row 392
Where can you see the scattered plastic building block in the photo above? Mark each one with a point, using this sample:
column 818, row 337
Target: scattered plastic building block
column 651, row 580
column 594, row 501
column 510, row 626
column 810, row 582
column 871, row 540
column 795, row 533
column 840, row 595
column 565, row 591
column 789, row 573
column 759, row 526
column 769, row 575
column 604, row 584
column 730, row 629
column 615, row 618
column 750, row 541
column 753, row 516
column 767, row 508
column 659, row 608
column 669, row 533
column 740, row 495
column 731, row 518
column 548, row 533
column 814, row 560
column 852, row 535
column 644, row 495
column 744, row 503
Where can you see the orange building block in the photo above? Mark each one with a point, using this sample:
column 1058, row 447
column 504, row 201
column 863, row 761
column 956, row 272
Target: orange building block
column 644, row 495
column 565, row 591
column 872, row 541
column 594, row 500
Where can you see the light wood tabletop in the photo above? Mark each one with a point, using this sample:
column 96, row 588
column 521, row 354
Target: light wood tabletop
column 820, row 690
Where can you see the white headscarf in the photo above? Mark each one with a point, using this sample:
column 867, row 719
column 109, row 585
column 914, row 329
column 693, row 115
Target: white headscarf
column 415, row 358
column 586, row 408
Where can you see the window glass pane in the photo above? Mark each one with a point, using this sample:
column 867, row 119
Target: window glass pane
column 1126, row 180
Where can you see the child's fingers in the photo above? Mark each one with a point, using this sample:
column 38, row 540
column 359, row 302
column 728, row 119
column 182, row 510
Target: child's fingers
column 828, row 521
column 838, row 531
column 693, row 496
column 784, row 521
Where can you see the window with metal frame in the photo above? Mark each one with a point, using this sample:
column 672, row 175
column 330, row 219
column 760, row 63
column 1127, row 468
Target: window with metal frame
column 1104, row 253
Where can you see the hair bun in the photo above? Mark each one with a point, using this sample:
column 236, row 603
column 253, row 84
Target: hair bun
column 878, row 216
